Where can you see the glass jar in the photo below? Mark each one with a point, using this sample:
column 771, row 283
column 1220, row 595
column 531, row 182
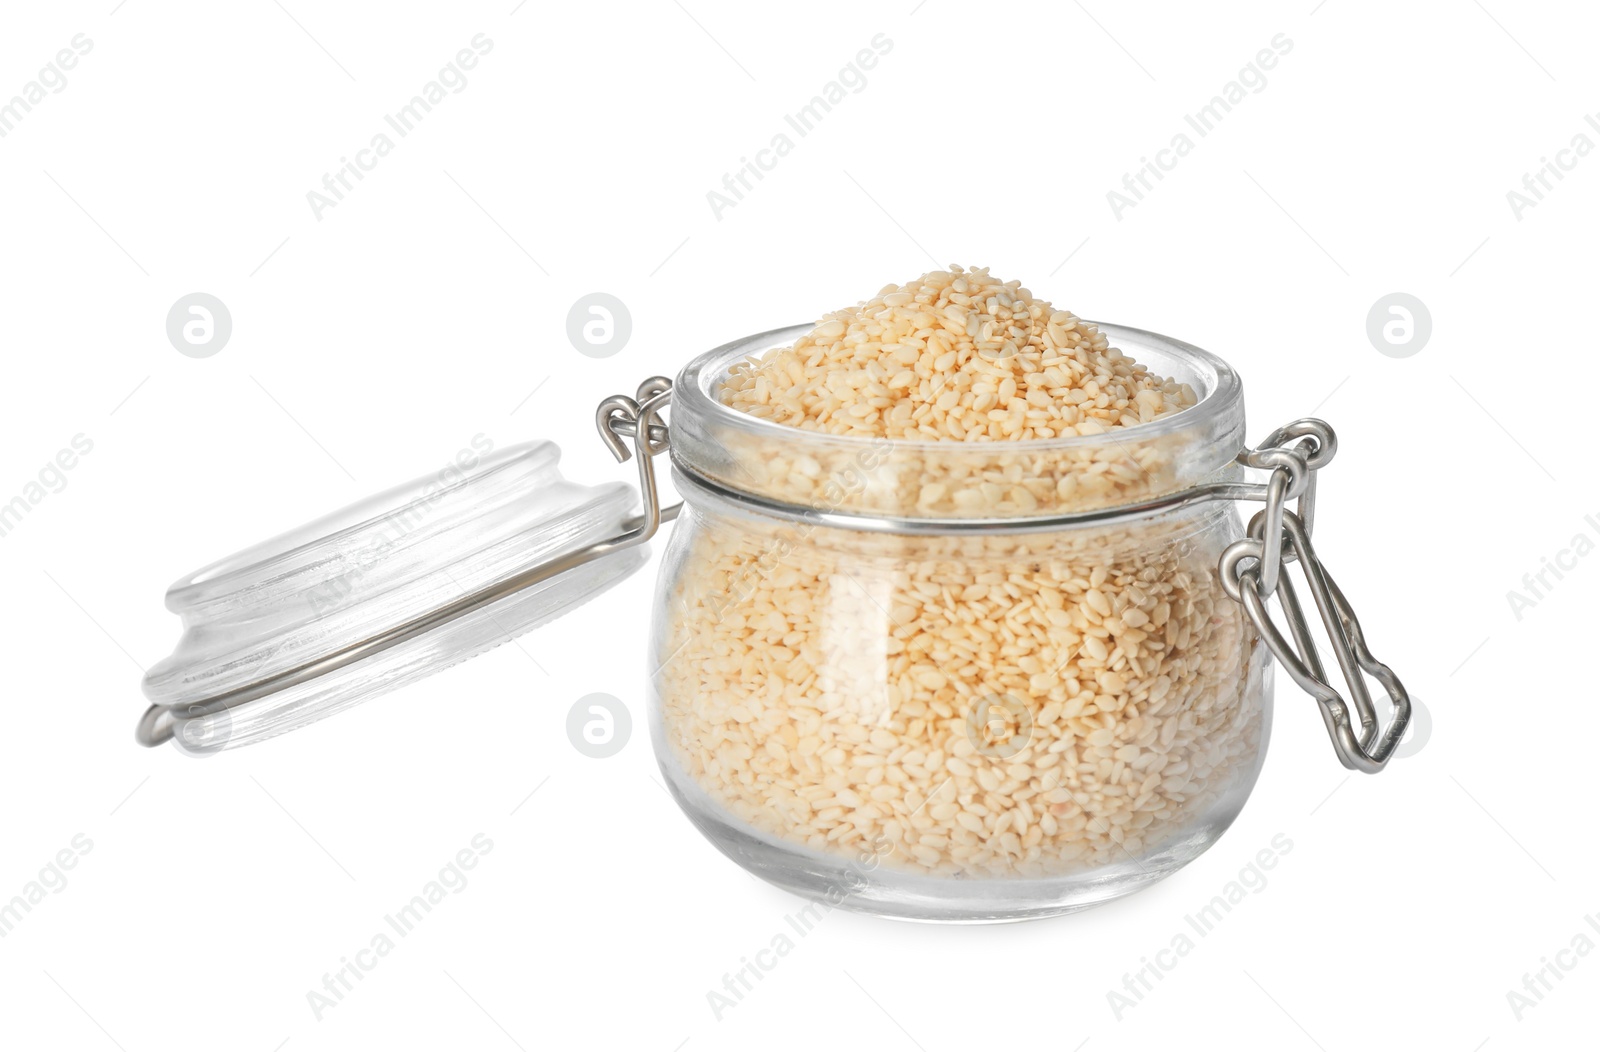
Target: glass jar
column 961, row 681
column 901, row 673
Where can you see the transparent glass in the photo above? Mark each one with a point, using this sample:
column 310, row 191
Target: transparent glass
column 381, row 562
column 955, row 709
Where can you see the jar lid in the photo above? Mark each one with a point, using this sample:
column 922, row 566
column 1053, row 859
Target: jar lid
column 381, row 593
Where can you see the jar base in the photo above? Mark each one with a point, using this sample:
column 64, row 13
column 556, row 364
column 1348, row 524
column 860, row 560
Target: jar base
column 866, row 885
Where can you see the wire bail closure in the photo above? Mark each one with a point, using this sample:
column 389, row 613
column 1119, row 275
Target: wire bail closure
column 1252, row 571
column 639, row 419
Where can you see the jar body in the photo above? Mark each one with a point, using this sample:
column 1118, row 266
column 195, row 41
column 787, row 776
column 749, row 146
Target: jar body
column 961, row 726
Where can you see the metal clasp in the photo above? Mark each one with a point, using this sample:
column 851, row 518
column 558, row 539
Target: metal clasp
column 1252, row 571
column 639, row 419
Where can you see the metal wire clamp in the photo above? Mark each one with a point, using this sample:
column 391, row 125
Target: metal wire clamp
column 1252, row 571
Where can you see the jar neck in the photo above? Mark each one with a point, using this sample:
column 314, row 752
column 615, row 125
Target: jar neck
column 893, row 485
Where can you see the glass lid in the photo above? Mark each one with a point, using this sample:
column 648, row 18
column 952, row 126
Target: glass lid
column 384, row 592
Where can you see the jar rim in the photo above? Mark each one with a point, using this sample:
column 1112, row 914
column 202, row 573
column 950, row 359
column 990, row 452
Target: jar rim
column 994, row 482
column 1218, row 389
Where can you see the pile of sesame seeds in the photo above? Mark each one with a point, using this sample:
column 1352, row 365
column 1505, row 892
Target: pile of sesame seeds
column 992, row 705
column 1010, row 392
column 954, row 355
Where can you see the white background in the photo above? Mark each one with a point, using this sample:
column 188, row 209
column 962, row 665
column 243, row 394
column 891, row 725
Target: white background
column 430, row 305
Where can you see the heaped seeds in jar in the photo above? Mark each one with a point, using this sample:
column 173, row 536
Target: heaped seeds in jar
column 953, row 356
column 960, row 356
column 977, row 705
